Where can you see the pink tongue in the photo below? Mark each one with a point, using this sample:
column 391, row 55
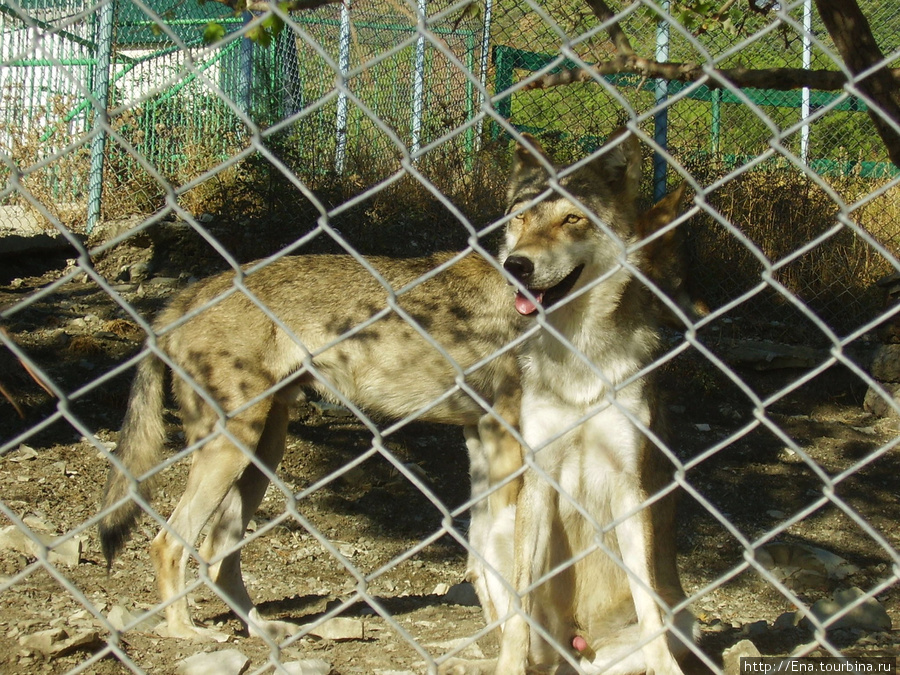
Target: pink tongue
column 526, row 306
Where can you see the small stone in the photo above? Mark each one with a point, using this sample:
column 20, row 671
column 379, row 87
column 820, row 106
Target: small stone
column 731, row 658
column 462, row 594
column 868, row 616
column 138, row 272
column 57, row 642
column 340, row 628
column 120, row 617
column 755, row 629
column 23, row 453
column 224, row 662
column 307, row 667
column 787, row 621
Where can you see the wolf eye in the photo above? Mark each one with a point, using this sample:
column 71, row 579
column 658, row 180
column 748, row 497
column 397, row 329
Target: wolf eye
column 573, row 218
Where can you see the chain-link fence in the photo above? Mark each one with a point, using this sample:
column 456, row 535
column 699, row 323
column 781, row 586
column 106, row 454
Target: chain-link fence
column 383, row 132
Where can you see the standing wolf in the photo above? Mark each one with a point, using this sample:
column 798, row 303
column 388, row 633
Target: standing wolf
column 588, row 547
column 243, row 349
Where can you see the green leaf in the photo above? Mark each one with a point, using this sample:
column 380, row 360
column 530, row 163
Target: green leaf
column 259, row 35
column 273, row 24
column 213, row 32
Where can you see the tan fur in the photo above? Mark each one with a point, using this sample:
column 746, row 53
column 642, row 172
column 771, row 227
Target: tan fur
column 592, row 468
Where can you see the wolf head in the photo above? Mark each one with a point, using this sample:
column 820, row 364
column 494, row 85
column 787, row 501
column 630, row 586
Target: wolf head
column 580, row 230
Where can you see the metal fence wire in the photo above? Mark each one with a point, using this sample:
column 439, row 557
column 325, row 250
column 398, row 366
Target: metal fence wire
column 138, row 158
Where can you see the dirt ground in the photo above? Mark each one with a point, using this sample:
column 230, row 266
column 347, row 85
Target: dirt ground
column 755, row 480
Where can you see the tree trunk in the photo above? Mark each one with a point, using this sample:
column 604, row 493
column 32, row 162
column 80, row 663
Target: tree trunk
column 853, row 38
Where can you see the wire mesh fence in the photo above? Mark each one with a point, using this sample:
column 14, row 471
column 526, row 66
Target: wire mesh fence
column 368, row 138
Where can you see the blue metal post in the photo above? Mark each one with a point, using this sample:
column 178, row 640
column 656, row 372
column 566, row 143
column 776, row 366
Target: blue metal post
column 100, row 95
column 661, row 119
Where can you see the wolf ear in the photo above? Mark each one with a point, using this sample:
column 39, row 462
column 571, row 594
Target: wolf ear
column 528, row 172
column 661, row 214
column 527, row 153
column 620, row 165
column 527, row 158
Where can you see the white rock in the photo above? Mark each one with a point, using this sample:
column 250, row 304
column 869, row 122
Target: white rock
column 23, row 453
column 225, row 662
column 731, row 658
column 307, row 667
column 468, row 648
column 67, row 553
column 120, row 617
column 58, row 642
column 340, row 628
column 802, row 566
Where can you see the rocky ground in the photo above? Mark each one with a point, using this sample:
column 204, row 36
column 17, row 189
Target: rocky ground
column 750, row 474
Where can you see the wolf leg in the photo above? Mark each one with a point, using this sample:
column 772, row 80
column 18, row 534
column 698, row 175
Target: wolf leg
column 216, row 468
column 535, row 514
column 635, row 539
column 222, row 544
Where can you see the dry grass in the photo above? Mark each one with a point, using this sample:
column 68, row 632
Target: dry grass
column 788, row 217
column 35, row 140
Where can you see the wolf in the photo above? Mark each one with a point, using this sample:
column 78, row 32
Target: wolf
column 580, row 571
column 425, row 338
column 666, row 262
column 432, row 338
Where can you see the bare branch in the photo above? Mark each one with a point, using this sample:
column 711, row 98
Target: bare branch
column 781, row 79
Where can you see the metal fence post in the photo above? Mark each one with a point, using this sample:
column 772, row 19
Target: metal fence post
column 418, row 80
column 340, row 151
column 807, row 62
column 483, row 74
column 100, row 96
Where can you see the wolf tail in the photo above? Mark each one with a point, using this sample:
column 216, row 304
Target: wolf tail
column 139, row 450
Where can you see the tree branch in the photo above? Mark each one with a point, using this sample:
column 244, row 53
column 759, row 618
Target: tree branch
column 264, row 5
column 620, row 41
column 781, row 79
column 853, row 38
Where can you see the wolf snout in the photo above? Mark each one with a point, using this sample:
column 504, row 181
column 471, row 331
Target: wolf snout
column 520, row 267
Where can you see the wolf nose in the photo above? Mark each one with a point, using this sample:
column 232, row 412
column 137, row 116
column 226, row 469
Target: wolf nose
column 520, row 267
